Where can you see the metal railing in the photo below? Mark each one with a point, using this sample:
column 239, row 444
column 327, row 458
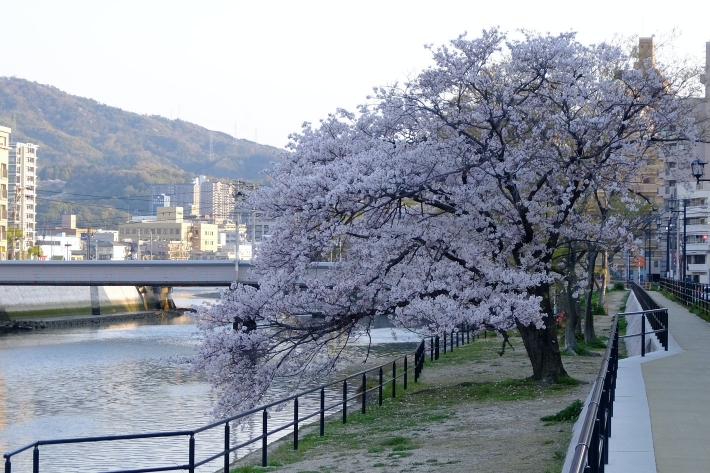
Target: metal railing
column 592, row 446
column 690, row 294
column 352, row 393
column 656, row 315
column 591, row 451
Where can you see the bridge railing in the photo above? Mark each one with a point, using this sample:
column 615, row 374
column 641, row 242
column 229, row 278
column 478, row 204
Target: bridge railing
column 358, row 390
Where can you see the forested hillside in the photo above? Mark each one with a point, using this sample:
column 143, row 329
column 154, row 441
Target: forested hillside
column 88, row 149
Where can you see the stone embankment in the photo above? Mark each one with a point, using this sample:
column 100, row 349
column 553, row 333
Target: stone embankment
column 8, row 326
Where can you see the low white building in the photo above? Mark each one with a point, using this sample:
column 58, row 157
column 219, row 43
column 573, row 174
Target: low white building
column 58, row 246
column 112, row 250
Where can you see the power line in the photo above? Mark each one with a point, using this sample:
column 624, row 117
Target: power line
column 147, row 199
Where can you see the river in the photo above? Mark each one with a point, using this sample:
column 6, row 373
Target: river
column 112, row 380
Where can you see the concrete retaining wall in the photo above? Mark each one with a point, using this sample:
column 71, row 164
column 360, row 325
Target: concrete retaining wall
column 633, row 325
column 46, row 301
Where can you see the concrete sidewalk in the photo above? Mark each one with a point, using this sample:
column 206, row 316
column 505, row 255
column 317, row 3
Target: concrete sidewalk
column 661, row 417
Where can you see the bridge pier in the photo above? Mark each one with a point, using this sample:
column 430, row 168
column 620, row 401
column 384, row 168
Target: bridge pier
column 95, row 300
column 157, row 297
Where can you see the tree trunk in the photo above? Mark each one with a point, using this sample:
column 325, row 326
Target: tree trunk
column 571, row 314
column 605, row 281
column 541, row 344
column 588, row 312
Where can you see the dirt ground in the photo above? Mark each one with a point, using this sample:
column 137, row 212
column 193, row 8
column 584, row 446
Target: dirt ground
column 491, row 435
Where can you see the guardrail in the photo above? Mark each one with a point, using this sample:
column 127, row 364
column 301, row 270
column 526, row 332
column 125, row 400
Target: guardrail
column 592, row 448
column 591, row 452
column 690, row 294
column 656, row 315
column 355, row 390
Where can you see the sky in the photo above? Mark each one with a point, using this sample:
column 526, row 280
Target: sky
column 258, row 69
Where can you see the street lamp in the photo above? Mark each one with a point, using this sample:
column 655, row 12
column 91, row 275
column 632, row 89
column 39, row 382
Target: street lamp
column 67, row 245
column 697, row 168
column 673, row 205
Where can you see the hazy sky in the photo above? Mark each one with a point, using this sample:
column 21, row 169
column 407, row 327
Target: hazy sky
column 258, row 69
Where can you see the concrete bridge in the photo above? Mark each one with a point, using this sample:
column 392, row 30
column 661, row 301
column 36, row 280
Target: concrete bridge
column 153, row 279
column 135, row 273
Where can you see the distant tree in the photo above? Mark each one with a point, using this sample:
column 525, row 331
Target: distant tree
column 13, row 234
column 453, row 192
column 35, row 251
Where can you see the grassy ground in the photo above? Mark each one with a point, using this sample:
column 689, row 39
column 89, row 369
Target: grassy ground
column 471, row 410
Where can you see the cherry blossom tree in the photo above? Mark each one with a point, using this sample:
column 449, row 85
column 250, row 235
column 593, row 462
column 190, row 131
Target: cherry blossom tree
column 449, row 195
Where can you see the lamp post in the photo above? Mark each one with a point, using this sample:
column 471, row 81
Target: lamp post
column 697, row 169
column 67, row 246
column 669, row 227
column 673, row 205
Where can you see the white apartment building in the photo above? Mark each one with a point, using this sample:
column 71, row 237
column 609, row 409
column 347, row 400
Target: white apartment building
column 4, row 159
column 216, row 201
column 22, row 182
column 694, row 232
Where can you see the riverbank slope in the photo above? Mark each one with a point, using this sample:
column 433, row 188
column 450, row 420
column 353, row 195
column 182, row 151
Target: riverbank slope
column 474, row 410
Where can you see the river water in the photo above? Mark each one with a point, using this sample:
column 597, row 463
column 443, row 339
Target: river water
column 113, row 380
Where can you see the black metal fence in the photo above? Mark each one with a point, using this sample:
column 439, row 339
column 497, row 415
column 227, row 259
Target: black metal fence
column 656, row 315
column 592, row 446
column 690, row 294
column 357, row 389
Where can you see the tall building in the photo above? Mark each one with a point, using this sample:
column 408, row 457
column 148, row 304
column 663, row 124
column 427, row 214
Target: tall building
column 217, row 201
column 159, row 200
column 687, row 225
column 4, row 159
column 186, row 196
column 22, row 177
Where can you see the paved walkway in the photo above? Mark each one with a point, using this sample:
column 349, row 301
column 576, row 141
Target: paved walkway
column 661, row 417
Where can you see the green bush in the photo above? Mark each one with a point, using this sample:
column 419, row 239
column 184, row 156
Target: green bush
column 568, row 414
column 618, row 286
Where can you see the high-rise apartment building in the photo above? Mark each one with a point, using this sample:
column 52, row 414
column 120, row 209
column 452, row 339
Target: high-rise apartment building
column 217, row 201
column 186, row 196
column 22, row 182
column 684, row 207
column 4, row 159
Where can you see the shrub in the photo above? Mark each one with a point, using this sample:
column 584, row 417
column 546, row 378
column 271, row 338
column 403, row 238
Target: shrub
column 568, row 414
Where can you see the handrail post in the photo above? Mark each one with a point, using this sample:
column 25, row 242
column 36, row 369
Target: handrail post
column 364, row 393
column 452, row 340
column 295, row 423
column 643, row 335
column 264, row 441
column 379, row 393
column 322, row 412
column 394, row 377
column 191, row 455
column 8, row 465
column 405, row 373
column 226, row 446
column 345, row 401
column 35, row 459
column 665, row 333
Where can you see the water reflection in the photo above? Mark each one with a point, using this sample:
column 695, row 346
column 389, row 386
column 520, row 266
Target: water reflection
column 115, row 379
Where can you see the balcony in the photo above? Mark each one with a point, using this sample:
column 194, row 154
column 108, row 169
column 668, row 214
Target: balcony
column 698, row 248
column 698, row 268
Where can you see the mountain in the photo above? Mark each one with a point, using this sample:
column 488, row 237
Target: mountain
column 94, row 159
